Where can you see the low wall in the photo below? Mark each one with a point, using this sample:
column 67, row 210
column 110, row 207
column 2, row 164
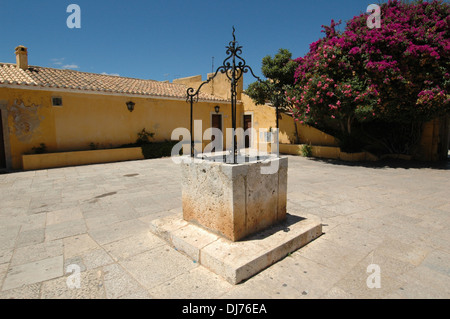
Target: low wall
column 63, row 159
column 307, row 134
column 330, row 152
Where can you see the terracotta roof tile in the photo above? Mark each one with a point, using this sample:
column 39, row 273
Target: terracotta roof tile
column 70, row 79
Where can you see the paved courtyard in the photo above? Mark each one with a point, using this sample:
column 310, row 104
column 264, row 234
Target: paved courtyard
column 96, row 217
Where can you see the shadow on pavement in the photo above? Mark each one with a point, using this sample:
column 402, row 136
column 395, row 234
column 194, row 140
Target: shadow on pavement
column 390, row 163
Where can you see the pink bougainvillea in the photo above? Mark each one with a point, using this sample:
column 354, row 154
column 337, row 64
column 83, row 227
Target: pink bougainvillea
column 398, row 72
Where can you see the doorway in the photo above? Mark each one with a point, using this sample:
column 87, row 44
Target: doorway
column 2, row 144
column 247, row 125
column 216, row 122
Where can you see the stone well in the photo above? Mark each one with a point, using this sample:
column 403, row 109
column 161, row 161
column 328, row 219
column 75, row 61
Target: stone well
column 235, row 200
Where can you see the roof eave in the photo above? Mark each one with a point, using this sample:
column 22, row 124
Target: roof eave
column 35, row 87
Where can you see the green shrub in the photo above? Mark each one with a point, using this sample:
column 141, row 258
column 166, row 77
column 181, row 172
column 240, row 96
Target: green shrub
column 144, row 137
column 307, row 150
column 94, row 146
column 40, row 149
column 350, row 144
column 157, row 149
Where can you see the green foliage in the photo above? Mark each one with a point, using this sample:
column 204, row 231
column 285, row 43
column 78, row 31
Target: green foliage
column 94, row 146
column 350, row 144
column 144, row 137
column 259, row 92
column 383, row 137
column 40, row 149
column 306, row 150
column 396, row 74
column 279, row 70
column 158, row 149
column 153, row 149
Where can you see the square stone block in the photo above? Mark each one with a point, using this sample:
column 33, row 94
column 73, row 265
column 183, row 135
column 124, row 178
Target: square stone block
column 238, row 261
column 235, row 200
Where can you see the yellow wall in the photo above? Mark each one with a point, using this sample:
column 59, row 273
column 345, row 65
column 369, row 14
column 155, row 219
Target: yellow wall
column 307, row 134
column 30, row 122
column 331, row 152
column 435, row 135
column 263, row 117
column 220, row 86
column 287, row 129
column 104, row 120
column 42, row 161
column 93, row 118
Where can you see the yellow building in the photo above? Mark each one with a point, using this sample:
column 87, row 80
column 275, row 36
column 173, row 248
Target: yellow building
column 66, row 111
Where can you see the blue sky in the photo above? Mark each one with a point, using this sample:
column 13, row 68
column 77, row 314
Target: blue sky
column 163, row 39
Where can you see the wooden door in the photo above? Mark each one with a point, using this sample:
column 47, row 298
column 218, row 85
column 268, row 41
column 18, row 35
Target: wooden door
column 216, row 122
column 247, row 125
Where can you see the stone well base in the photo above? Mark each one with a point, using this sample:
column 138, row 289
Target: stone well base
column 237, row 261
column 235, row 200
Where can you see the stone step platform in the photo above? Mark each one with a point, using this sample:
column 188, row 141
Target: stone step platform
column 238, row 261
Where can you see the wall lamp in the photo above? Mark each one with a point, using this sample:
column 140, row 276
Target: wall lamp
column 130, row 106
column 217, row 109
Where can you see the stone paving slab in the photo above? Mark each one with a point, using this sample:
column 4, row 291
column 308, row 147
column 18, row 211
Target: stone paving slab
column 198, row 283
column 157, row 266
column 33, row 272
column 65, row 229
column 117, row 231
column 92, row 287
column 36, row 252
column 131, row 246
column 78, row 244
column 120, row 284
column 237, row 261
column 25, row 292
column 395, row 215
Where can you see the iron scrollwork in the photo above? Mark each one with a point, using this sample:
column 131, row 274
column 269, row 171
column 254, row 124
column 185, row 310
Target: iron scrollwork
column 234, row 67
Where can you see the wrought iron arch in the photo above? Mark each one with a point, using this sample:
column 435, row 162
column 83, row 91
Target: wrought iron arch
column 234, row 67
